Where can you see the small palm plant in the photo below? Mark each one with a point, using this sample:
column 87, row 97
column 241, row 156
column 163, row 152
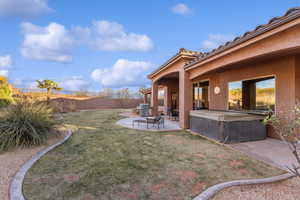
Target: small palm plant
column 49, row 85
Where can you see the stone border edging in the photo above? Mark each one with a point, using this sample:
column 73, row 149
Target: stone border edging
column 16, row 186
column 213, row 190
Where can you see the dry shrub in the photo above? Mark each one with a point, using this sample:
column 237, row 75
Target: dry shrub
column 286, row 124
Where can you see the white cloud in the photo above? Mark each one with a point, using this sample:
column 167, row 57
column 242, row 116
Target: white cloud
column 5, row 61
column 181, row 9
column 111, row 36
column 123, row 73
column 3, row 72
column 5, row 64
column 23, row 8
column 32, row 85
column 25, row 84
column 75, row 83
column 215, row 40
column 50, row 43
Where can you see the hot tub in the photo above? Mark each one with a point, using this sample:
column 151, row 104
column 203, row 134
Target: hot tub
column 228, row 127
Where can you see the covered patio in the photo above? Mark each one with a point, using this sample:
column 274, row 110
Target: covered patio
column 171, row 87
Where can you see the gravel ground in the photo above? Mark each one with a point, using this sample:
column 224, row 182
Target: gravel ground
column 285, row 190
column 10, row 162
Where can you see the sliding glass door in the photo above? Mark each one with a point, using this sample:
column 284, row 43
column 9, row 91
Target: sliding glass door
column 200, row 95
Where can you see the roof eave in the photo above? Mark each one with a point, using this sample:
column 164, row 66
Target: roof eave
column 173, row 59
column 261, row 29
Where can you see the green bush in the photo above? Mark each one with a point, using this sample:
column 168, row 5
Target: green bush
column 5, row 92
column 25, row 123
column 4, row 102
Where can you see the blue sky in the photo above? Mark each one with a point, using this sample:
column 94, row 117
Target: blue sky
column 89, row 45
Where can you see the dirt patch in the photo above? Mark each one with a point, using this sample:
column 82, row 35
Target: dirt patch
column 285, row 190
column 12, row 161
column 71, row 178
column 197, row 188
column 236, row 163
column 199, row 155
column 186, row 175
column 243, row 171
column 158, row 187
column 221, row 156
column 88, row 197
column 129, row 195
column 183, row 155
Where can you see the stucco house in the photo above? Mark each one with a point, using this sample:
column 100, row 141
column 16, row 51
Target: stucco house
column 239, row 80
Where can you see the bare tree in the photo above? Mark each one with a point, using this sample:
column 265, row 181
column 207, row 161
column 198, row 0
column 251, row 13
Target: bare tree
column 286, row 124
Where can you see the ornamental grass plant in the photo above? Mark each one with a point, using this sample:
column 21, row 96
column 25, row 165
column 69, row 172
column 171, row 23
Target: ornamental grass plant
column 26, row 123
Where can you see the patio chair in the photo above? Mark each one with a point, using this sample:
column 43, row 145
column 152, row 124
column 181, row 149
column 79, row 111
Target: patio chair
column 157, row 120
column 174, row 115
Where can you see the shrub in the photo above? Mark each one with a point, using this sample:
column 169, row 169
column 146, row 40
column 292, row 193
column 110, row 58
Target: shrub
column 25, row 123
column 5, row 92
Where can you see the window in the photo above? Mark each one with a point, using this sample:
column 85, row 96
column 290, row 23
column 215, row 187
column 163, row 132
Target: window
column 148, row 98
column 161, row 97
column 265, row 94
column 256, row 94
column 235, row 95
column 174, row 96
column 200, row 95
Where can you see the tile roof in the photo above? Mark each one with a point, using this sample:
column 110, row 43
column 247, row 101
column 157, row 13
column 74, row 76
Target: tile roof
column 181, row 52
column 290, row 15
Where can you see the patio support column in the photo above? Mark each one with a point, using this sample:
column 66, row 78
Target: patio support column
column 166, row 99
column 154, row 98
column 185, row 98
column 145, row 98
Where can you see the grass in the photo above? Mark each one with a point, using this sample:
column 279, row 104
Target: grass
column 104, row 161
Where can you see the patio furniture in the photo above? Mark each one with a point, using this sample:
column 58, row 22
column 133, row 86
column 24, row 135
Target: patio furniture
column 173, row 114
column 138, row 121
column 158, row 120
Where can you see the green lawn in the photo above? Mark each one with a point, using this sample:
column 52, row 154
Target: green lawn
column 104, row 161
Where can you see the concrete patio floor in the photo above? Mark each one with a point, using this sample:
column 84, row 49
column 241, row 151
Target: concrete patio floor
column 169, row 125
column 271, row 151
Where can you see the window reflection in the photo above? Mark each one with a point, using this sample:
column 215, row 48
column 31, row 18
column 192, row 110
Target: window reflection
column 235, row 95
column 265, row 94
column 255, row 94
column 161, row 97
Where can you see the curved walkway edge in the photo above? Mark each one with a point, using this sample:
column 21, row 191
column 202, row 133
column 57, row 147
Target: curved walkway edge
column 15, row 191
column 211, row 191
